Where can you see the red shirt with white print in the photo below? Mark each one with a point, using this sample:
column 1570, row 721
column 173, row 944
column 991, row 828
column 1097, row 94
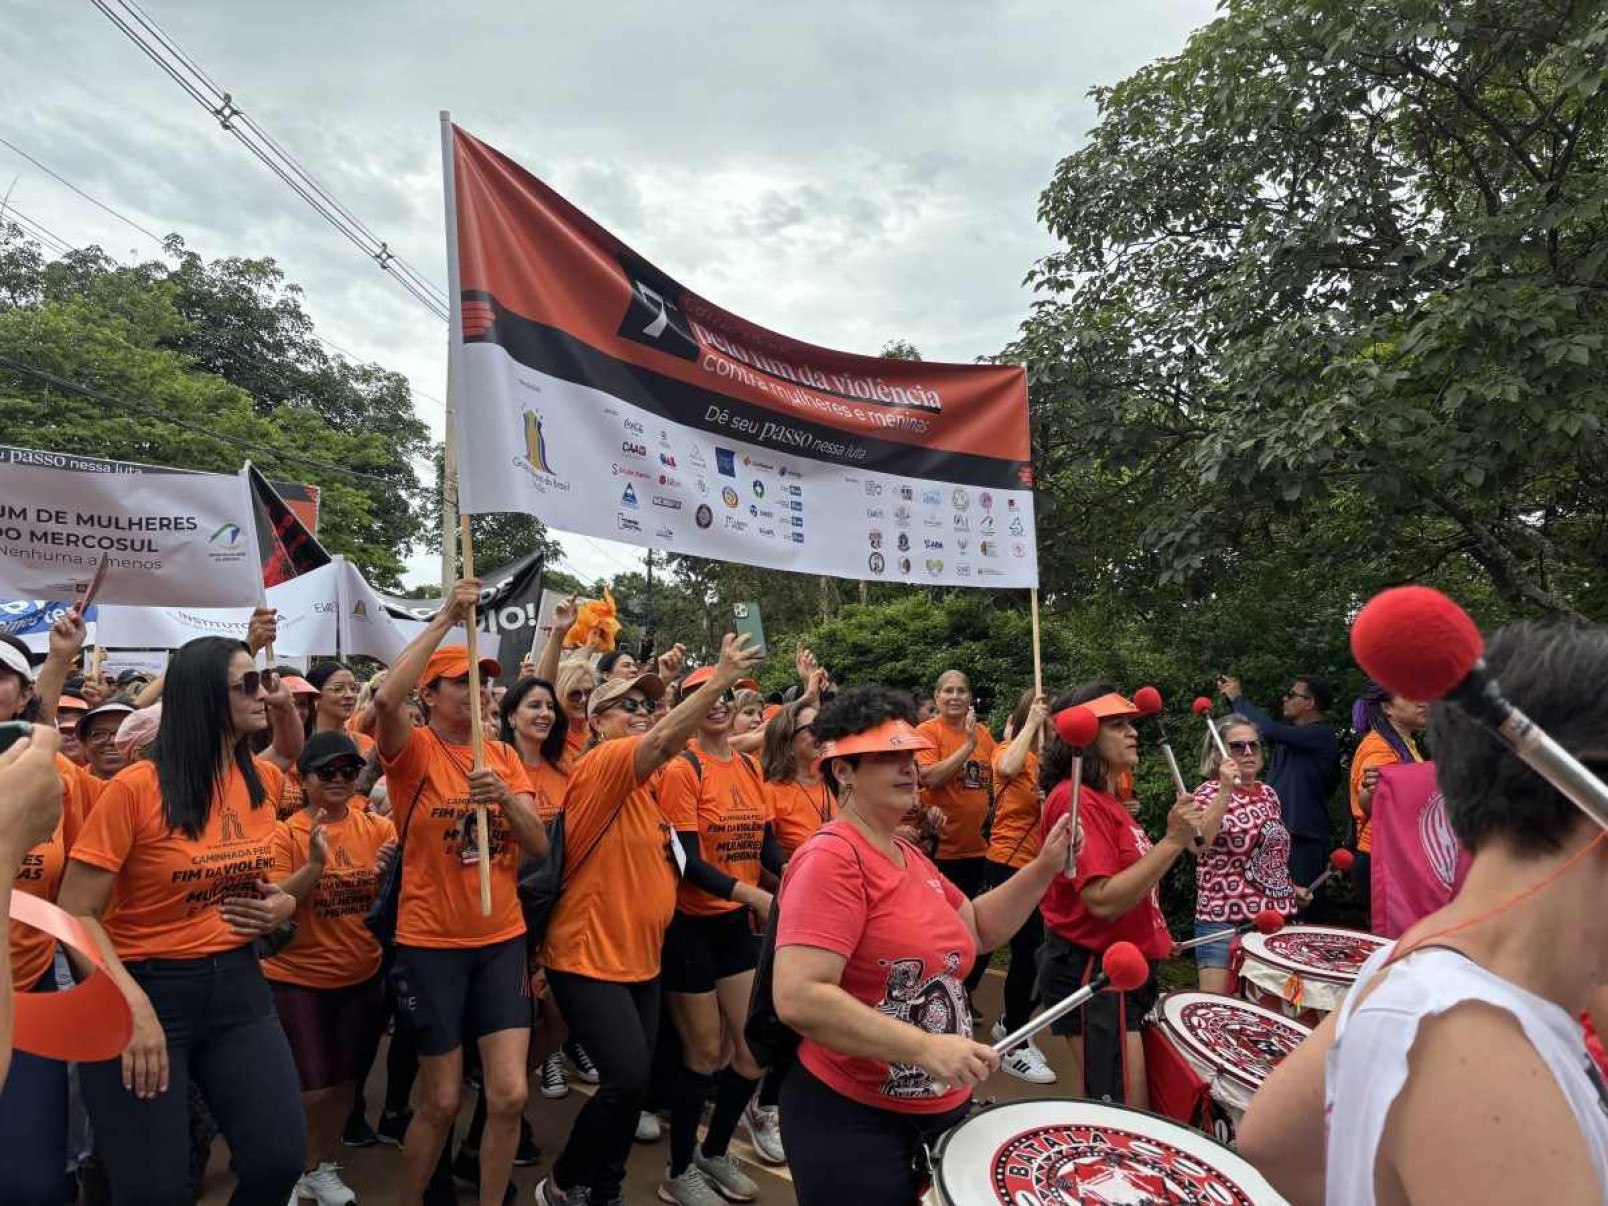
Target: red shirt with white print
column 908, row 952
column 1112, row 841
column 1247, row 869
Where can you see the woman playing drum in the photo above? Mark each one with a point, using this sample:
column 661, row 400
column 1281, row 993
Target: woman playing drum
column 872, row 948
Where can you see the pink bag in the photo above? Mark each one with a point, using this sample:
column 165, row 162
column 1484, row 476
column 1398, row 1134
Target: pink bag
column 1418, row 863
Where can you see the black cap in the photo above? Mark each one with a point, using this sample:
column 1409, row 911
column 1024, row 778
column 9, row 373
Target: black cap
column 326, row 747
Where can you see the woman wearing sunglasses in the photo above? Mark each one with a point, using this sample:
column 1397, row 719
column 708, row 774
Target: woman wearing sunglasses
column 1245, row 866
column 326, row 983
column 171, row 875
column 604, row 942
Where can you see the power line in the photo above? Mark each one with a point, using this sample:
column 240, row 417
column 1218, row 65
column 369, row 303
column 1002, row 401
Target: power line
column 185, row 72
column 121, row 217
column 94, row 395
column 34, row 229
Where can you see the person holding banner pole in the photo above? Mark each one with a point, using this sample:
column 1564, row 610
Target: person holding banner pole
column 170, row 876
column 458, row 971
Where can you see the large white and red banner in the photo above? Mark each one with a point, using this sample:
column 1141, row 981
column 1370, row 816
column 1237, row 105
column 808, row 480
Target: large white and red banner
column 600, row 395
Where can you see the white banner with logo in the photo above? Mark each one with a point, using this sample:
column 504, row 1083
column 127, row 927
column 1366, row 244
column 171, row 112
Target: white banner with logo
column 169, row 537
column 309, row 619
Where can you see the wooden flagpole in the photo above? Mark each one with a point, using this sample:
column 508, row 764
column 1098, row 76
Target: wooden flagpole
column 1038, row 656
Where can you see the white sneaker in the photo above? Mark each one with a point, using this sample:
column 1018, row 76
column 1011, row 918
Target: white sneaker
column 324, row 1186
column 1026, row 1062
column 691, row 1188
column 554, row 1083
column 765, row 1131
column 648, row 1129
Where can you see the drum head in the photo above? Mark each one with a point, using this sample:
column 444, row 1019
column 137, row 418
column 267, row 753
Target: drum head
column 1318, row 951
column 1082, row 1153
column 1228, row 1035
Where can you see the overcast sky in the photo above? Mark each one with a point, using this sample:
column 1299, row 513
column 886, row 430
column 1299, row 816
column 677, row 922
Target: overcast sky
column 845, row 173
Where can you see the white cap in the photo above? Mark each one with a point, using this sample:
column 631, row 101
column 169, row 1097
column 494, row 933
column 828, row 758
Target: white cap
column 13, row 658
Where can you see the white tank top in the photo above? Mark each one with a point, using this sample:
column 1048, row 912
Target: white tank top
column 1367, row 1066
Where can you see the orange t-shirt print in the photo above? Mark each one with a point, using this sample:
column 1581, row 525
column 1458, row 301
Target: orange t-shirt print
column 165, row 901
column 609, row 922
column 729, row 808
column 333, row 947
column 440, row 903
column 34, row 951
column 964, row 798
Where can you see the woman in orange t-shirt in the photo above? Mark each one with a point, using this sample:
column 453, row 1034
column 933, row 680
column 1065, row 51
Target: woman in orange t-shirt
column 716, row 800
column 603, row 945
column 799, row 800
column 170, row 875
column 326, row 983
column 1388, row 726
column 460, row 974
column 1013, row 842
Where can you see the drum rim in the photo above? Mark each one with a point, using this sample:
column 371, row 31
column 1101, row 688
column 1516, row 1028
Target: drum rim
column 937, row 1159
column 1195, row 1048
column 1279, row 963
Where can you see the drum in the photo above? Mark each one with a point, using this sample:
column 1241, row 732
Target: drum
column 1206, row 1055
column 1058, row 1152
column 1303, row 971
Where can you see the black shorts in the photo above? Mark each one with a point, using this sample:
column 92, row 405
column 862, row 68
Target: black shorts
column 452, row 996
column 698, row 951
column 1064, row 968
column 332, row 1031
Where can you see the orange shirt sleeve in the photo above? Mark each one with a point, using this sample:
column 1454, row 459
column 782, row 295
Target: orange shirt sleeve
column 284, row 851
column 108, row 836
column 678, row 794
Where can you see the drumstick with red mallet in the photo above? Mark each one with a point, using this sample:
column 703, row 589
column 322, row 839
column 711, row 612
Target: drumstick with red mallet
column 1268, row 921
column 1418, row 644
column 1148, row 701
column 1122, row 967
column 1078, row 727
column 1339, row 861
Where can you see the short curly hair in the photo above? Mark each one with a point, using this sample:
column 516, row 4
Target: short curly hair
column 855, row 711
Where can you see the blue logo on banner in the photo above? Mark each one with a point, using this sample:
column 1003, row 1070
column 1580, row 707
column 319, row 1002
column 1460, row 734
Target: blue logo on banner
column 33, row 617
column 725, row 461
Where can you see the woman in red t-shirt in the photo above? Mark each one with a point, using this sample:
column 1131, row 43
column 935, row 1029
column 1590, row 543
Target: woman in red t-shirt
column 1113, row 897
column 872, row 948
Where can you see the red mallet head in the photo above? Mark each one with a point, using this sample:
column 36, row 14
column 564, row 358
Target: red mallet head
column 1415, row 642
column 1269, row 921
column 1077, row 726
column 1202, row 706
column 1124, row 966
column 1148, row 701
column 1342, row 860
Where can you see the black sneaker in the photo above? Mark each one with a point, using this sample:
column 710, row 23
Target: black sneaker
column 359, row 1133
column 393, row 1128
column 466, row 1167
column 528, row 1155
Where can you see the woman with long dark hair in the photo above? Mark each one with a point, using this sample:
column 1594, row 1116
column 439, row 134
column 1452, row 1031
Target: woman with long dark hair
column 171, row 876
column 1388, row 727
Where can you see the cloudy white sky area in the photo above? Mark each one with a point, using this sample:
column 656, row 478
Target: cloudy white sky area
column 847, row 173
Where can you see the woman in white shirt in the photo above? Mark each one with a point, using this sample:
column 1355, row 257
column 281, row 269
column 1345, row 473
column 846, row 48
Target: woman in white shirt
column 1457, row 1070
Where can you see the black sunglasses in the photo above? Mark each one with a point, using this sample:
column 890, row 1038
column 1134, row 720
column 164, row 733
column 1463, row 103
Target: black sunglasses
column 339, row 770
column 249, row 683
column 1244, row 747
column 631, row 706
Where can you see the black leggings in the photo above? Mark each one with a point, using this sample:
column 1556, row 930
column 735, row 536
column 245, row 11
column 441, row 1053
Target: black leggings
column 617, row 1024
column 218, row 1016
column 967, row 875
column 1021, row 981
column 840, row 1151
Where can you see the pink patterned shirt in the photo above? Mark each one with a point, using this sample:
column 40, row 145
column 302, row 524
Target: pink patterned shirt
column 1247, row 869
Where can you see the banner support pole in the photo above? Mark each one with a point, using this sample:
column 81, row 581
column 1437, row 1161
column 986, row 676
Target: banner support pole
column 262, row 587
column 452, row 522
column 1038, row 657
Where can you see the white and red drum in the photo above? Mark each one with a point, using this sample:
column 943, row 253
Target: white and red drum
column 1058, row 1152
column 1303, row 971
column 1206, row 1054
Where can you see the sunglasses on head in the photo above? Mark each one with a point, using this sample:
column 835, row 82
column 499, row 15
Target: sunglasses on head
column 1244, row 747
column 339, row 770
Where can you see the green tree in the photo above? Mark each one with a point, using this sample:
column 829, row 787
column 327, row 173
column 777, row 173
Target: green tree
column 1333, row 279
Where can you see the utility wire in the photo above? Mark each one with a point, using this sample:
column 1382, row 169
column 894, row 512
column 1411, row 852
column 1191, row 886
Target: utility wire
column 63, row 180
column 144, row 32
column 34, row 229
column 94, row 395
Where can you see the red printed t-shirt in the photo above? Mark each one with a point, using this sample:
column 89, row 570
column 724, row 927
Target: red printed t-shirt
column 164, row 904
column 908, row 952
column 798, row 811
column 34, row 951
column 724, row 800
column 548, row 782
column 1247, row 869
column 1016, row 838
column 440, row 903
column 1112, row 842
column 964, row 797
column 333, row 948
column 610, row 920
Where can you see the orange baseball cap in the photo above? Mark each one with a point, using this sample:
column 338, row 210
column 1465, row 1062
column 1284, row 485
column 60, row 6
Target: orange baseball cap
column 889, row 736
column 71, row 703
column 704, row 673
column 1110, row 705
column 452, row 661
